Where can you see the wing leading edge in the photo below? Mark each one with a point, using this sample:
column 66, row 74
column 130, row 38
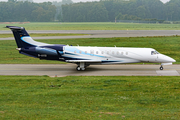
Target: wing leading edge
column 81, row 61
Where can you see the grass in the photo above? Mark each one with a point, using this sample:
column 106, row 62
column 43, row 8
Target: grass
column 166, row 45
column 89, row 98
column 93, row 26
column 41, row 34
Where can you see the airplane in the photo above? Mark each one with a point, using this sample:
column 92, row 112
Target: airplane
column 85, row 56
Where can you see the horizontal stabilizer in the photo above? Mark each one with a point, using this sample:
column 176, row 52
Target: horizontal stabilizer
column 75, row 61
column 15, row 28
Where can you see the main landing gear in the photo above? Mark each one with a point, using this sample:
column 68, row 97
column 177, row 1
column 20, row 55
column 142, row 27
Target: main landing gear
column 80, row 69
column 81, row 66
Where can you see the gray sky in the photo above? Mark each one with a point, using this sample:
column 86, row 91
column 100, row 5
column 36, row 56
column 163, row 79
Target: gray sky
column 164, row 1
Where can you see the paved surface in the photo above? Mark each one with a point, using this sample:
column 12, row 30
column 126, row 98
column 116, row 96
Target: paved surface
column 61, row 70
column 100, row 33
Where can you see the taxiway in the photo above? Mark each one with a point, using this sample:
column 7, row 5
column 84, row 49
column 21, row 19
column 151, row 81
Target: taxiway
column 99, row 33
column 61, row 70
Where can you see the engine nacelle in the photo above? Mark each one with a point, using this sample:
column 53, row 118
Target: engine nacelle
column 46, row 51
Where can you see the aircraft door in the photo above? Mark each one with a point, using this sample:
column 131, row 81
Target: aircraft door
column 154, row 55
column 157, row 57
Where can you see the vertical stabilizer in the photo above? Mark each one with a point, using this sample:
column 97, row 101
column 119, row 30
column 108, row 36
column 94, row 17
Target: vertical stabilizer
column 22, row 38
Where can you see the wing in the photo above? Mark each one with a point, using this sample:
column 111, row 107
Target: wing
column 75, row 61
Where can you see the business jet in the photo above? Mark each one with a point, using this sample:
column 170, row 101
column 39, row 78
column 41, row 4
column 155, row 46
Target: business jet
column 84, row 56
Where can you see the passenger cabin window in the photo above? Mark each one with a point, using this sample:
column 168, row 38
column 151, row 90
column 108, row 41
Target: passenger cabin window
column 102, row 52
column 85, row 52
column 121, row 53
column 117, row 53
column 126, row 53
column 80, row 52
column 113, row 52
column 74, row 51
column 154, row 52
column 96, row 52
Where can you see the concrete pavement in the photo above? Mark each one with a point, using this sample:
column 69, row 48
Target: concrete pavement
column 61, row 70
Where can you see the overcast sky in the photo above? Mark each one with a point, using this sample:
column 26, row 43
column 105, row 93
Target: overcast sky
column 164, row 1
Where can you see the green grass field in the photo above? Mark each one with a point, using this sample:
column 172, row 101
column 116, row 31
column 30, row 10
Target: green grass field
column 166, row 45
column 93, row 26
column 89, row 98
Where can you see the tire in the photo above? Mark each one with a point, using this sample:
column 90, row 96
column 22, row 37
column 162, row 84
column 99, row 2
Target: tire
column 83, row 69
column 78, row 68
column 161, row 68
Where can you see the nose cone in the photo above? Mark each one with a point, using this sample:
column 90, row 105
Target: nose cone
column 164, row 58
column 173, row 60
column 170, row 59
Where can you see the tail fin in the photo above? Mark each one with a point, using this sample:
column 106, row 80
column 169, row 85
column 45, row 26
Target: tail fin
column 22, row 38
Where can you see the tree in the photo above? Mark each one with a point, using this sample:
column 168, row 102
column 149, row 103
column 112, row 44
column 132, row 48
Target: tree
column 12, row 0
column 173, row 10
column 85, row 12
column 26, row 11
column 141, row 12
column 67, row 2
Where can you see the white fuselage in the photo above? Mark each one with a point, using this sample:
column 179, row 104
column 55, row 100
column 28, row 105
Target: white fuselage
column 114, row 55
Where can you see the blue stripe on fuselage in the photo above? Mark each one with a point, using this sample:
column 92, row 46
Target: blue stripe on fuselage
column 72, row 49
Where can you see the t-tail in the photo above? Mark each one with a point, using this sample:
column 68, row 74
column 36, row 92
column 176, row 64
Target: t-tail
column 27, row 46
column 23, row 40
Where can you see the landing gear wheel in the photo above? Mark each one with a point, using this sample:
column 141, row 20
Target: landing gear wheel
column 83, row 69
column 161, row 68
column 81, row 66
column 78, row 68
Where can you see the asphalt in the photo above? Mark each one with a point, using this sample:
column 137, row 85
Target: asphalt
column 99, row 33
column 62, row 70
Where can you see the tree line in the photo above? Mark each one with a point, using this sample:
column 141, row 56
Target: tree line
column 109, row 10
column 13, row 11
column 102, row 11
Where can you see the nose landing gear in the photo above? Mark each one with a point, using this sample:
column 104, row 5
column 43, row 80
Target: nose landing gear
column 161, row 68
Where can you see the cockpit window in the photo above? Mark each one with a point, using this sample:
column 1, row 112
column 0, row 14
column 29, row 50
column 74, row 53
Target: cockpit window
column 154, row 52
